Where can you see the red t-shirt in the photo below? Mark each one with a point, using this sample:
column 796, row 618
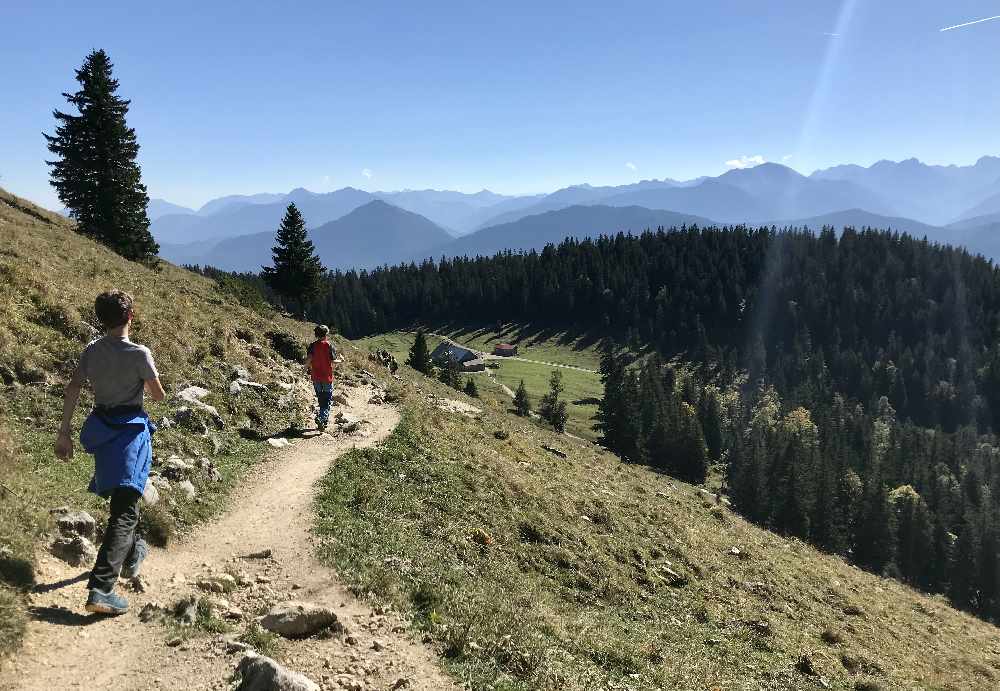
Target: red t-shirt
column 321, row 354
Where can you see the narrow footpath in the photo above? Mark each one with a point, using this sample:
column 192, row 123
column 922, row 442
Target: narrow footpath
column 65, row 648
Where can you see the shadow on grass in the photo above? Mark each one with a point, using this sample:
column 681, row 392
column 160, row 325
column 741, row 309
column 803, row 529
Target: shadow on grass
column 17, row 573
column 61, row 616
column 521, row 334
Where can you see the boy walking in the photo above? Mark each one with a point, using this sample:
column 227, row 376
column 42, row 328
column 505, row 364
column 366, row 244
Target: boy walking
column 118, row 433
column 321, row 354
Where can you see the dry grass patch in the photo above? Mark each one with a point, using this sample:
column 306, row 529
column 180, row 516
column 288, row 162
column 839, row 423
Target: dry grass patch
column 537, row 572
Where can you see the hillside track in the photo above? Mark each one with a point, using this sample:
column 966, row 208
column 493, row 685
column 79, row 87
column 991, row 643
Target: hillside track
column 65, row 648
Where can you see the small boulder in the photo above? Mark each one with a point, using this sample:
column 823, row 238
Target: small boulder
column 176, row 468
column 75, row 550
column 235, row 388
column 219, row 583
column 259, row 673
column 298, row 619
column 73, row 523
column 192, row 394
column 340, row 398
column 187, row 489
column 278, row 442
column 239, row 373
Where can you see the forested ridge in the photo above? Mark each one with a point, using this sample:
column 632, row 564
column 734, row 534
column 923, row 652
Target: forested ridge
column 848, row 387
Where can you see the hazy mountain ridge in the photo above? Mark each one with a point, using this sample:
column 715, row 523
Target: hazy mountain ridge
column 933, row 194
column 369, row 235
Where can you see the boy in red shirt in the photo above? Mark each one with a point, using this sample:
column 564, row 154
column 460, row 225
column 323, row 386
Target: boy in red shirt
column 321, row 354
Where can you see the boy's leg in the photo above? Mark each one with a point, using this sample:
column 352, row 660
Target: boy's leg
column 324, row 396
column 119, row 539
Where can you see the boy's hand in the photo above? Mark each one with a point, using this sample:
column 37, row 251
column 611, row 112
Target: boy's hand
column 64, row 446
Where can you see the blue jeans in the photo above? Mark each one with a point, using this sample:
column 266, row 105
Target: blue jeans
column 324, row 395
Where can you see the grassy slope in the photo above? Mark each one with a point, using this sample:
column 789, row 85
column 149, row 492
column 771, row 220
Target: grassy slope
column 48, row 279
column 533, row 571
column 582, row 388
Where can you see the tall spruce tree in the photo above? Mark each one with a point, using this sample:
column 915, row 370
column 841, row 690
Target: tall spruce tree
column 420, row 357
column 96, row 175
column 296, row 273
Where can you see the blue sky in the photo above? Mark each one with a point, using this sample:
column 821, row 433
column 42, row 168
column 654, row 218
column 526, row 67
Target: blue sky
column 516, row 97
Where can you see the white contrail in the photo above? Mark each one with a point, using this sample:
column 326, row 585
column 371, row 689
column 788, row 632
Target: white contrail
column 978, row 21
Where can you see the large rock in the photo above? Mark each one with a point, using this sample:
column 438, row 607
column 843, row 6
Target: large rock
column 298, row 619
column 259, row 673
column 75, row 550
column 192, row 395
column 72, row 523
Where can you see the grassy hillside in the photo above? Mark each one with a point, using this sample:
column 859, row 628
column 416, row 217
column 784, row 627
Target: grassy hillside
column 48, row 279
column 536, row 571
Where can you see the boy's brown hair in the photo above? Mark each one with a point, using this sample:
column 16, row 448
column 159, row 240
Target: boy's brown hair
column 113, row 308
column 321, row 330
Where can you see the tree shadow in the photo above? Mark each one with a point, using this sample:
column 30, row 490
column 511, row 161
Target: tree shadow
column 49, row 587
column 61, row 616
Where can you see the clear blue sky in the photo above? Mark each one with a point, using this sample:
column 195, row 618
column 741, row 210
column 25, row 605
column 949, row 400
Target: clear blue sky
column 240, row 97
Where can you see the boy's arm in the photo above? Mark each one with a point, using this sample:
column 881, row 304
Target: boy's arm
column 150, row 377
column 64, row 440
column 155, row 389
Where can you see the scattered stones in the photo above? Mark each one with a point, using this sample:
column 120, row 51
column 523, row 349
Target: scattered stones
column 219, row 583
column 501, row 434
column 401, row 683
column 378, row 646
column 75, row 551
column 298, row 619
column 259, row 673
column 385, row 358
column 340, row 399
column 72, row 523
column 553, row 450
column 350, row 640
column 175, row 641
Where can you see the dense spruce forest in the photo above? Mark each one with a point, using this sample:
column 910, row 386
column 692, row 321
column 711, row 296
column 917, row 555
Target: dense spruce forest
column 846, row 388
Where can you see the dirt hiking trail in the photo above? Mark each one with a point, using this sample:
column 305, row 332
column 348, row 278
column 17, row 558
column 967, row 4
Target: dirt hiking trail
column 66, row 648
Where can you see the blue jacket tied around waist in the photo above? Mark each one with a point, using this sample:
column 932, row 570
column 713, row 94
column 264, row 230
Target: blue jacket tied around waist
column 122, row 445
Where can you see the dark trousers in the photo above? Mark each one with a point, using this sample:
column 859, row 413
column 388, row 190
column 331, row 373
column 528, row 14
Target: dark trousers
column 324, row 396
column 119, row 539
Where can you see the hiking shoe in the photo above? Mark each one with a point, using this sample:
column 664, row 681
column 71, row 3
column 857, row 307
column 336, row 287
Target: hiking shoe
column 106, row 603
column 134, row 560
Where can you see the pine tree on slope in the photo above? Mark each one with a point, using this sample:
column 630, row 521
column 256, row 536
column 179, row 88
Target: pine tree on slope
column 522, row 404
column 296, row 272
column 420, row 357
column 96, row 175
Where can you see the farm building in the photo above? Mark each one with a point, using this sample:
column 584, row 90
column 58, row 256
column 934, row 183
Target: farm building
column 505, row 350
column 448, row 352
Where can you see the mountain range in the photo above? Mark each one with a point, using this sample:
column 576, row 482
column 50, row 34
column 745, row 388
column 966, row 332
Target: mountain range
column 955, row 204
